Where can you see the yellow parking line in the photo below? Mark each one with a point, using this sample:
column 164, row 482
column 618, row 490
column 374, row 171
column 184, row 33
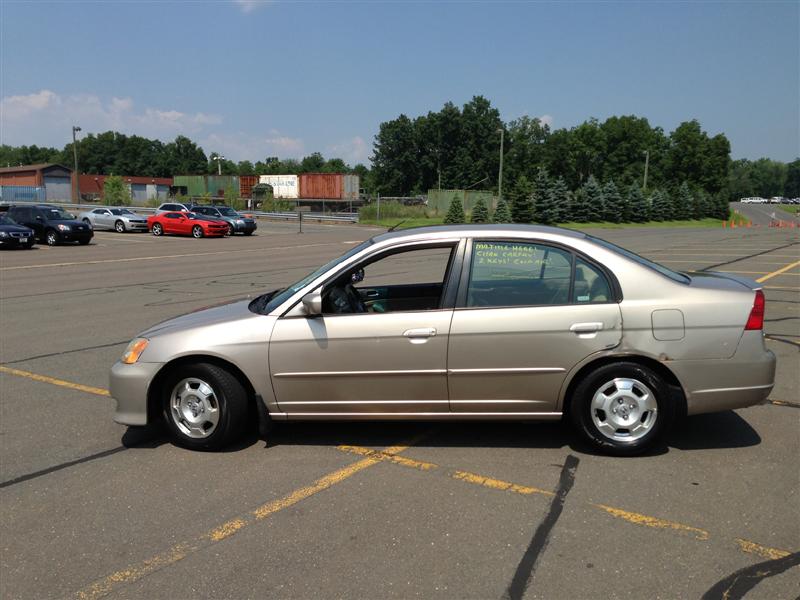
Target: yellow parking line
column 497, row 484
column 53, row 381
column 654, row 522
column 778, row 272
column 180, row 551
column 762, row 551
column 383, row 455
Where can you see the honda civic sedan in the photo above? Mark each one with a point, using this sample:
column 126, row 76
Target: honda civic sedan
column 495, row 322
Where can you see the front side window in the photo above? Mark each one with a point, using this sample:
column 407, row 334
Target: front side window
column 518, row 274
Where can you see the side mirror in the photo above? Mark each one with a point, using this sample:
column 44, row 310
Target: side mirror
column 313, row 303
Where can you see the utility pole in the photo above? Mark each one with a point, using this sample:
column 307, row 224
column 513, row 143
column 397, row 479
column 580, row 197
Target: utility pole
column 219, row 158
column 500, row 177
column 646, row 164
column 75, row 156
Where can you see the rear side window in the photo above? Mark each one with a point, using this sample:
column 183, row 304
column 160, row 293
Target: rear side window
column 590, row 284
column 518, row 274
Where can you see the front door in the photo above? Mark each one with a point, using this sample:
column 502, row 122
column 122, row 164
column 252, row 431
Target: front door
column 529, row 313
column 365, row 355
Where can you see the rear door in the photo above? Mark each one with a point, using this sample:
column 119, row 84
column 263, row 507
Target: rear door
column 527, row 312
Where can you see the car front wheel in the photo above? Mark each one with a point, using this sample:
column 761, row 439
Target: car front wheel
column 622, row 408
column 204, row 406
column 197, row 231
column 119, row 227
column 157, row 229
column 51, row 237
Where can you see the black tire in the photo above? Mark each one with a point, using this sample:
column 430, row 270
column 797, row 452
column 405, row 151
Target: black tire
column 119, row 226
column 52, row 238
column 231, row 400
column 157, row 229
column 87, row 221
column 616, row 444
column 84, row 242
column 197, row 232
column 230, row 229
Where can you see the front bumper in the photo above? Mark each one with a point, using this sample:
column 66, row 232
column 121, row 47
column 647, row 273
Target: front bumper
column 128, row 385
column 13, row 242
column 745, row 379
column 136, row 226
column 245, row 227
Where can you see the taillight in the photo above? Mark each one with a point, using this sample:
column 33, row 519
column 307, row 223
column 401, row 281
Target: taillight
column 756, row 318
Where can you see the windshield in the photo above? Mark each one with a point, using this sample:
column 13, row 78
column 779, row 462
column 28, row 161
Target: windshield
column 228, row 212
column 674, row 275
column 121, row 211
column 4, row 220
column 285, row 294
column 57, row 214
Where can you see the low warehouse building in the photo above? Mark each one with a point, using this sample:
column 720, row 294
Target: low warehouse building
column 54, row 178
column 141, row 189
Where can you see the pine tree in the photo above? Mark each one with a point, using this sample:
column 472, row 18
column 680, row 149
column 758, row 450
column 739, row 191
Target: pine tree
column 560, row 200
column 502, row 213
column 701, row 205
column 522, row 201
column 683, row 205
column 579, row 207
column 545, row 207
column 612, row 203
column 455, row 214
column 660, row 206
column 594, row 199
column 480, row 214
column 638, row 207
column 721, row 208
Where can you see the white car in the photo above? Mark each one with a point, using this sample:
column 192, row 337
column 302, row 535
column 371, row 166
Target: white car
column 172, row 207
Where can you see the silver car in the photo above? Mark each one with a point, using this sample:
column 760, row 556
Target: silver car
column 501, row 322
column 116, row 219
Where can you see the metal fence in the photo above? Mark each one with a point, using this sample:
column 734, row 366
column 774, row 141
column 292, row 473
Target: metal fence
column 11, row 194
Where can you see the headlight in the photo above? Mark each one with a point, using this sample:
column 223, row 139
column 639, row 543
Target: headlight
column 134, row 350
column 239, row 222
column 3, row 234
column 64, row 227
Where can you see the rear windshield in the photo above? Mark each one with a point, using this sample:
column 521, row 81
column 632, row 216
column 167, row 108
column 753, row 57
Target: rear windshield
column 674, row 275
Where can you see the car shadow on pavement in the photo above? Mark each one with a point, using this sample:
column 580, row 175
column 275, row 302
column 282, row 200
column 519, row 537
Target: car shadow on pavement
column 701, row 432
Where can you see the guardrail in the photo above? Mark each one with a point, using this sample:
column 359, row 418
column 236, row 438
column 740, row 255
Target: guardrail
column 342, row 217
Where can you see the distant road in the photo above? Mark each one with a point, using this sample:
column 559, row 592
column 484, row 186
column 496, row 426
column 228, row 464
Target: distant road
column 762, row 214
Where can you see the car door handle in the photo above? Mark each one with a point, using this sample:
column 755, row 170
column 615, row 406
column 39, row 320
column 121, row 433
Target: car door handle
column 372, row 294
column 586, row 327
column 423, row 332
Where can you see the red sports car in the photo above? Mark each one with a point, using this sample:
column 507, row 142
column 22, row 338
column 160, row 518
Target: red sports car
column 186, row 223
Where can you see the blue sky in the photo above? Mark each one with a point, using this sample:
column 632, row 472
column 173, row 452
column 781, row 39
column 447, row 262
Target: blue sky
column 253, row 79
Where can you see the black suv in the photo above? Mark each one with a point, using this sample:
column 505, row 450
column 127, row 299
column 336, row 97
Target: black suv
column 13, row 235
column 51, row 224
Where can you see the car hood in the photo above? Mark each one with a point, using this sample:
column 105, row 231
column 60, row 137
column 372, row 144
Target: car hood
column 16, row 228
column 228, row 311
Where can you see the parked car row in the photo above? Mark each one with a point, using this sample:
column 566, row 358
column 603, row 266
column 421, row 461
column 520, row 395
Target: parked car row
column 22, row 225
column 773, row 200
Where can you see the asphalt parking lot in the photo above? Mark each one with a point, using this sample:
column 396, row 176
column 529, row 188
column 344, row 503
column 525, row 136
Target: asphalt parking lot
column 92, row 509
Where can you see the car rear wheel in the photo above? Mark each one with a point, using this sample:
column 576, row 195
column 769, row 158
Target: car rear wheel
column 197, row 231
column 51, row 237
column 119, row 227
column 204, row 406
column 157, row 229
column 622, row 408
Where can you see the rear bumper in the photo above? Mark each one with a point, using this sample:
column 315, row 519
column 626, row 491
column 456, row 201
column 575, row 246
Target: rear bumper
column 128, row 385
column 745, row 379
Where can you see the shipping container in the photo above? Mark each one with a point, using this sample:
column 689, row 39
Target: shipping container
column 283, row 186
column 217, row 185
column 195, row 185
column 321, row 186
column 246, row 183
column 352, row 184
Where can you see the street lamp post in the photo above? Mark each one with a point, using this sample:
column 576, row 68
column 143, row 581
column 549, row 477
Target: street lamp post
column 646, row 164
column 75, row 129
column 500, row 176
column 219, row 158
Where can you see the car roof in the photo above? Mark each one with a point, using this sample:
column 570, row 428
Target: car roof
column 488, row 230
